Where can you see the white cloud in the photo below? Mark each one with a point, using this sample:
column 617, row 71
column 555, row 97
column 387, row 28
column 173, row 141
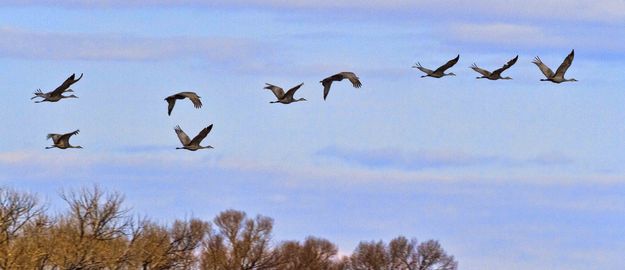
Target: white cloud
column 505, row 34
column 70, row 46
column 51, row 164
column 587, row 10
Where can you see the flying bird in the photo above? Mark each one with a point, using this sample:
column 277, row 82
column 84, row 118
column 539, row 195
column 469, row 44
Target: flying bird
column 495, row 75
column 192, row 145
column 439, row 72
column 57, row 94
column 171, row 100
column 61, row 141
column 282, row 97
column 327, row 82
column 557, row 77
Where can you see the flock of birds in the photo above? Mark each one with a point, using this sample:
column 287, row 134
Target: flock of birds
column 61, row 141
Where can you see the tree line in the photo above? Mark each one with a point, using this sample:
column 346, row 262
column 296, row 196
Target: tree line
column 96, row 231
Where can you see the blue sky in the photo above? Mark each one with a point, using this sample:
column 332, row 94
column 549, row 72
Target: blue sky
column 517, row 174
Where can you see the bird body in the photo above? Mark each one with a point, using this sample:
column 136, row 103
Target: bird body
column 495, row 75
column 61, row 141
column 57, row 94
column 558, row 76
column 284, row 98
column 327, row 82
column 439, row 72
column 193, row 145
column 171, row 100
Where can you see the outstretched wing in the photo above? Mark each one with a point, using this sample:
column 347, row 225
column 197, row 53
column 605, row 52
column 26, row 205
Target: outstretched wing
column 565, row 65
column 424, row 70
column 543, row 68
column 352, row 78
column 480, row 70
column 447, row 65
column 277, row 91
column 66, row 84
column 195, row 99
column 66, row 136
column 171, row 102
column 200, row 136
column 506, row 66
column 291, row 92
column 184, row 139
column 54, row 137
column 38, row 93
column 326, row 87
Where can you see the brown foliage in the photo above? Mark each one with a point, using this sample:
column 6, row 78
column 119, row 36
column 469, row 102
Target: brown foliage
column 96, row 232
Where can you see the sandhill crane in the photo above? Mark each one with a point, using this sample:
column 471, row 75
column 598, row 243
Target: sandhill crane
column 193, row 145
column 57, row 94
column 171, row 100
column 439, row 72
column 327, row 82
column 495, row 75
column 282, row 97
column 61, row 141
column 557, row 77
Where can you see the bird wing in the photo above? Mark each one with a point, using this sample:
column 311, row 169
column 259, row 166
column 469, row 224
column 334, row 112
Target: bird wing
column 277, row 91
column 195, row 99
column 54, row 137
column 480, row 70
column 506, row 66
column 291, row 92
column 171, row 102
column 326, row 87
column 543, row 68
column 420, row 67
column 38, row 93
column 565, row 65
column 66, row 136
column 200, row 136
column 352, row 78
column 66, row 84
column 184, row 139
column 447, row 65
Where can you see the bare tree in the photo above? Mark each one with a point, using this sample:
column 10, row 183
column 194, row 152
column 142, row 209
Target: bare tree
column 17, row 212
column 401, row 254
column 92, row 234
column 313, row 254
column 370, row 256
column 239, row 243
column 157, row 247
column 97, row 234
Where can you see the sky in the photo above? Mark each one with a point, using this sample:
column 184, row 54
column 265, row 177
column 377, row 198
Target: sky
column 517, row 174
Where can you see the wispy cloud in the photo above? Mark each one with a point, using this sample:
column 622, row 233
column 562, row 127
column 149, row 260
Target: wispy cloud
column 504, row 34
column 522, row 36
column 418, row 160
column 605, row 11
column 18, row 43
column 34, row 165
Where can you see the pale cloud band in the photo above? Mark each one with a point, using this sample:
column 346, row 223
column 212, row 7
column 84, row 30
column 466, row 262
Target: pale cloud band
column 19, row 43
column 588, row 10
